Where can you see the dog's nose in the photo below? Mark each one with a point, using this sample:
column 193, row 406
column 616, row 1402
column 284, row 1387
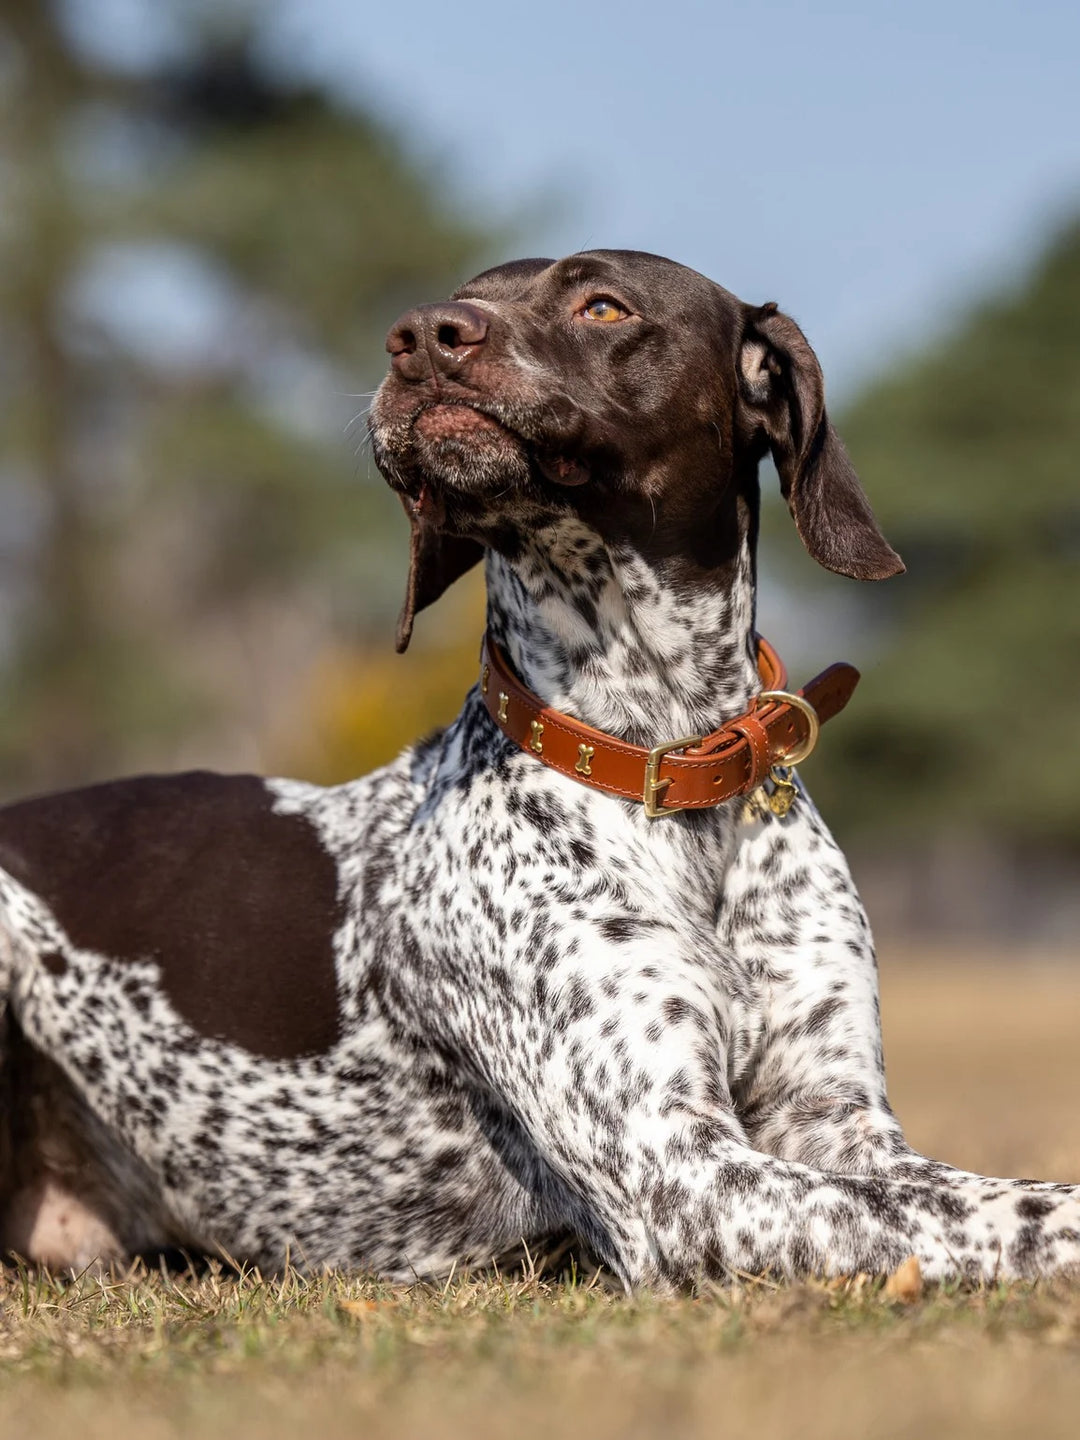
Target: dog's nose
column 439, row 337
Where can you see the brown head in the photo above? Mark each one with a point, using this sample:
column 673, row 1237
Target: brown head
column 620, row 387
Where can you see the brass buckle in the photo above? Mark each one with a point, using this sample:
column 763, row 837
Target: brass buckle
column 806, row 749
column 654, row 786
column 780, row 771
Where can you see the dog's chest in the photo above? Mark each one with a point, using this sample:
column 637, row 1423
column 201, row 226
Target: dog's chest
column 519, row 816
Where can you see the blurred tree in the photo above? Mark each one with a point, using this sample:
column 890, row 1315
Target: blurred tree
column 367, row 704
column 969, row 717
column 198, row 257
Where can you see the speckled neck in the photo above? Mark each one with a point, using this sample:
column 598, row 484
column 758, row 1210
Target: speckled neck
column 630, row 646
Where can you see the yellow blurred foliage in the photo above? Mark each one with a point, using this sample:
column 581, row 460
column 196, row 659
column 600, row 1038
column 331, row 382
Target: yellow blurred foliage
column 365, row 706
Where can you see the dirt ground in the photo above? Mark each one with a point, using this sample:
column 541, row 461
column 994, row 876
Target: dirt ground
column 985, row 1072
column 983, row 1059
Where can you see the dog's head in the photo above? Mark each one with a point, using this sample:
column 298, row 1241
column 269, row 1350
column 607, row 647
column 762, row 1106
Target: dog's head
column 618, row 387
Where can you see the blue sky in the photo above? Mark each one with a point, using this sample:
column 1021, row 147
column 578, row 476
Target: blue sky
column 871, row 167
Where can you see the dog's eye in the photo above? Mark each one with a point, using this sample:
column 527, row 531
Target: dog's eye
column 605, row 309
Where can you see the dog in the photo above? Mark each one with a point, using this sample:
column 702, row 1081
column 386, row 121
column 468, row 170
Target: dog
column 534, row 977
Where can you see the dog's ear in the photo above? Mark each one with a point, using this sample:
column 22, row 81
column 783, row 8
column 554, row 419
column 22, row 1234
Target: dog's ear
column 782, row 385
column 436, row 560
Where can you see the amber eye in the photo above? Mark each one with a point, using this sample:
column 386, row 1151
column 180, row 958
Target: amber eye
column 605, row 309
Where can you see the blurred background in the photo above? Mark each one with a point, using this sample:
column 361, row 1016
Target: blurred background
column 211, row 210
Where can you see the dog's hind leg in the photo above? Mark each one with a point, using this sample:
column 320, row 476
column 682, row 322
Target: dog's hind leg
column 54, row 1208
column 8, row 1106
column 56, row 1212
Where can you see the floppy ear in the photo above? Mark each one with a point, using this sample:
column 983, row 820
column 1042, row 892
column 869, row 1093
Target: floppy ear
column 783, row 387
column 436, row 560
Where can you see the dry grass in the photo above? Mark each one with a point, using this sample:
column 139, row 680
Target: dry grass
column 985, row 1071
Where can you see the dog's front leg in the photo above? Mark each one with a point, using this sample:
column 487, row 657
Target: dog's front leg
column 610, row 1043
column 793, row 920
column 816, row 1091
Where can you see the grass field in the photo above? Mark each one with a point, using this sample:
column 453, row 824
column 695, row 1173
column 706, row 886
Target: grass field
column 985, row 1072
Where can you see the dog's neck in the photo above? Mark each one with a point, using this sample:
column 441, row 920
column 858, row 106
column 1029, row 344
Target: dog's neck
column 646, row 650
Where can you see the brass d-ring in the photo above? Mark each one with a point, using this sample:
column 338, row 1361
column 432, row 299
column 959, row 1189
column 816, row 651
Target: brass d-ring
column 801, row 752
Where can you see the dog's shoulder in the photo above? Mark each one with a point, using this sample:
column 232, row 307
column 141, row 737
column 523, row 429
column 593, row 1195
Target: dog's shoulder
column 234, row 899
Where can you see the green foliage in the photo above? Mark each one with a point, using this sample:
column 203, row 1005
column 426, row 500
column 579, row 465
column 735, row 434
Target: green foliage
column 969, row 716
column 159, row 507
column 190, row 551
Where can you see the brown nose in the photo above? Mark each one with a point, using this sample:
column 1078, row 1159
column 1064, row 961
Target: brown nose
column 435, row 337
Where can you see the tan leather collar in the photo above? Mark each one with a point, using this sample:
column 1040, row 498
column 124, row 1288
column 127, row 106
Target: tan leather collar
column 778, row 730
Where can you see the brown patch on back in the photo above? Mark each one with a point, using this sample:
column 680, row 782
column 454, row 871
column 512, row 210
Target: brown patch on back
column 195, row 872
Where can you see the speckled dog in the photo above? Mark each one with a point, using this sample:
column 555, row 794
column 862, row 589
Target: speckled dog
column 408, row 1021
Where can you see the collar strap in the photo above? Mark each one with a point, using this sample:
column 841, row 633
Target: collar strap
column 694, row 772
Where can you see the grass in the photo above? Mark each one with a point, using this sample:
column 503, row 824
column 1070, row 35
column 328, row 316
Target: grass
column 982, row 1059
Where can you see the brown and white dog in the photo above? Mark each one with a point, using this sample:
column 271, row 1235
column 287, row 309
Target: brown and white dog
column 411, row 1020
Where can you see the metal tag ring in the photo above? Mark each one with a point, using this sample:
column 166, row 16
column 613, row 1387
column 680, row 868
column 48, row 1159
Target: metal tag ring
column 803, row 751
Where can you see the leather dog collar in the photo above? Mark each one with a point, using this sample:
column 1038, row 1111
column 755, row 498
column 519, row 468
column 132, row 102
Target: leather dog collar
column 779, row 730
